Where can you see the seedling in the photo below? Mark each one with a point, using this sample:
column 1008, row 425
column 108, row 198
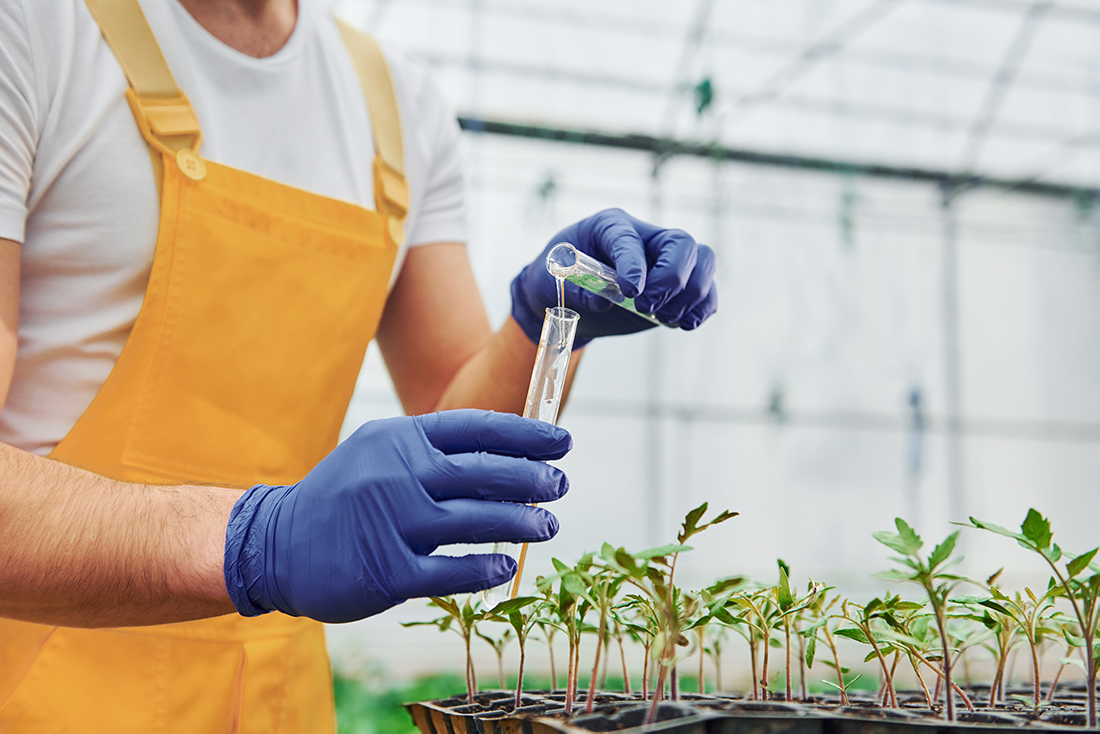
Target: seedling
column 653, row 573
column 547, row 626
column 1029, row 615
column 820, row 613
column 604, row 582
column 930, row 575
column 522, row 613
column 498, row 644
column 463, row 620
column 643, row 628
column 570, row 606
column 864, row 618
column 1079, row 580
column 713, row 599
column 934, row 634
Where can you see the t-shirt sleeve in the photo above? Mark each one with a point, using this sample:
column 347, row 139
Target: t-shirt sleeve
column 18, row 127
column 441, row 207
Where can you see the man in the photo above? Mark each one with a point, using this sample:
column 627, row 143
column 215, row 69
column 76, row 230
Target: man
column 193, row 256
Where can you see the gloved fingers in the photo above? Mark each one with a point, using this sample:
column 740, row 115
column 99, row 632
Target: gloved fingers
column 446, row 575
column 674, row 254
column 464, row 431
column 698, row 286
column 702, row 311
column 617, row 241
column 482, row 476
column 473, row 521
column 579, row 299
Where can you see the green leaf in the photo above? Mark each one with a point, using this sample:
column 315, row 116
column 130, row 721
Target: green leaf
column 896, row 575
column 891, row 540
column 832, row 665
column 690, row 523
column 783, row 592
column 1080, row 563
column 662, row 550
column 508, row 606
column 574, row 584
column 846, row 685
column 559, row 566
column 1054, row 553
column 908, row 536
column 853, row 633
column 1036, row 528
column 997, row 607
column 721, row 586
column 811, row 648
column 943, row 551
column 1073, row 640
column 981, row 525
column 723, row 616
column 447, row 604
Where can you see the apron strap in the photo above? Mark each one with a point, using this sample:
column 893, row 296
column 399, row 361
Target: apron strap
column 169, row 124
column 391, row 190
column 163, row 113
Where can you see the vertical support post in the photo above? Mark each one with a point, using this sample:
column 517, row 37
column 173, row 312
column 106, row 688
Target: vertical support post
column 956, row 501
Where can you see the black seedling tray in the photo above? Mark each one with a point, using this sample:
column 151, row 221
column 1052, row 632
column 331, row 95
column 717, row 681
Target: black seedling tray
column 494, row 712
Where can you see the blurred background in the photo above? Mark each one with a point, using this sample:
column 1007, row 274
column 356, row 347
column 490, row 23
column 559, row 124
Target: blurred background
column 904, row 196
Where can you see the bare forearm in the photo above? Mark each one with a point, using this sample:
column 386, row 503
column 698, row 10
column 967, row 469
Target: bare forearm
column 81, row 550
column 497, row 376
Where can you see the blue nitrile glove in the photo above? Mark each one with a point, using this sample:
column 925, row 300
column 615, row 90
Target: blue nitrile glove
column 353, row 538
column 663, row 270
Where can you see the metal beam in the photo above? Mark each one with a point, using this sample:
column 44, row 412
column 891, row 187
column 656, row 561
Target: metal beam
column 667, row 147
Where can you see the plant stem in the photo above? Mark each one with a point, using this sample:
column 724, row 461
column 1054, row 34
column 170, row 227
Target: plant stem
column 645, row 673
column 1034, row 668
column 675, row 677
column 500, row 669
column 622, row 656
column 942, row 624
column 603, row 668
column 1087, row 628
column 596, row 665
column 553, row 668
column 569, row 676
column 752, row 658
column 866, row 628
column 836, row 662
column 469, row 672
column 787, row 632
column 657, row 691
column 801, row 663
column 702, row 657
column 718, row 669
column 939, row 672
column 1054, row 685
column 920, row 679
column 764, row 677
column 519, row 683
column 893, row 671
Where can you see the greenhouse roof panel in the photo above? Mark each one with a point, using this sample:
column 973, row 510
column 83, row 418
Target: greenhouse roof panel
column 1005, row 87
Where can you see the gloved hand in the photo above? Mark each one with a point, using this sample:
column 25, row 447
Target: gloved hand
column 663, row 270
column 353, row 538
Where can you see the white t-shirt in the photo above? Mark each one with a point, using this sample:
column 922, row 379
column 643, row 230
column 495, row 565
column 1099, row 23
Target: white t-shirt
column 77, row 188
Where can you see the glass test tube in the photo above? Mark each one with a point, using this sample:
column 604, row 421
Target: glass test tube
column 543, row 402
column 566, row 261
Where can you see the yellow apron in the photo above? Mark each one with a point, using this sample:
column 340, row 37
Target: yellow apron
column 260, row 305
